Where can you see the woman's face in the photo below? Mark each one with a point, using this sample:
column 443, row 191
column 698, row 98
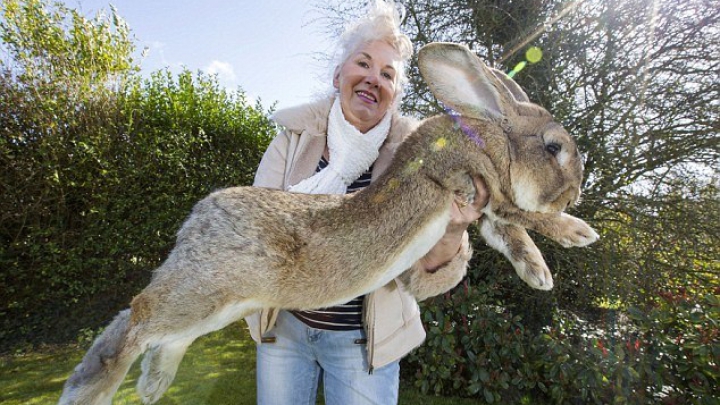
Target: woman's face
column 366, row 82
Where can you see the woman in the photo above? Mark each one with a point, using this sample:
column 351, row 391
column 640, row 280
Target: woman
column 338, row 145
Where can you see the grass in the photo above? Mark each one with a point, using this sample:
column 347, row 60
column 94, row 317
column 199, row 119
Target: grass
column 218, row 369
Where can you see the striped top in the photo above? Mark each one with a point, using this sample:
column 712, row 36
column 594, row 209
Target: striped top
column 346, row 316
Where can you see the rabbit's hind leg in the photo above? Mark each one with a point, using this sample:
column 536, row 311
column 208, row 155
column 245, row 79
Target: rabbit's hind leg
column 514, row 242
column 162, row 360
column 159, row 365
column 102, row 370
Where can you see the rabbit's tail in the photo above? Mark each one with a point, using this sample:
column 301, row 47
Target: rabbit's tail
column 159, row 365
column 102, row 370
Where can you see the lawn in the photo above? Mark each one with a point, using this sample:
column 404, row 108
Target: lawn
column 218, row 369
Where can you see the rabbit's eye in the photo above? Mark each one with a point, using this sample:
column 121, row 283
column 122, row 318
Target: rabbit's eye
column 553, row 148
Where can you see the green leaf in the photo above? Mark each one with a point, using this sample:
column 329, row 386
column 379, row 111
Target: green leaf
column 489, row 397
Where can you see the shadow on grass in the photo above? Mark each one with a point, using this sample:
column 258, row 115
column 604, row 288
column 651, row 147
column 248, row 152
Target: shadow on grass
column 218, row 369
column 36, row 378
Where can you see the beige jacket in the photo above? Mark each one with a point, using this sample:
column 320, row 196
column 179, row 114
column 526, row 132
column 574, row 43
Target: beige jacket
column 392, row 317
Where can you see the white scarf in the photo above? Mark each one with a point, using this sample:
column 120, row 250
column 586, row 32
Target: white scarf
column 351, row 154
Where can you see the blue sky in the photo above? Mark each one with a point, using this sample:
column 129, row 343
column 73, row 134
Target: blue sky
column 269, row 47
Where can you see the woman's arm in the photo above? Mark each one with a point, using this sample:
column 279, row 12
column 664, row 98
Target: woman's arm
column 271, row 171
column 444, row 266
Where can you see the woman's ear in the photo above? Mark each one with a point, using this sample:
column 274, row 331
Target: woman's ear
column 336, row 78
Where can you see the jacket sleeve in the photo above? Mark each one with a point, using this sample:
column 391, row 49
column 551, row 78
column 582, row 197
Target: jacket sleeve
column 424, row 284
column 270, row 174
column 271, row 171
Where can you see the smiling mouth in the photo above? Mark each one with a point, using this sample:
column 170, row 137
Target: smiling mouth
column 364, row 95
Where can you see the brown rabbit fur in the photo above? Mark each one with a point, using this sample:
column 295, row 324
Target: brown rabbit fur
column 246, row 248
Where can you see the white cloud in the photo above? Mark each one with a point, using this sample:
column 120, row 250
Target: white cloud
column 156, row 45
column 224, row 70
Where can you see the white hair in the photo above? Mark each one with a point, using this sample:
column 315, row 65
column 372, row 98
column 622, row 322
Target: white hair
column 381, row 23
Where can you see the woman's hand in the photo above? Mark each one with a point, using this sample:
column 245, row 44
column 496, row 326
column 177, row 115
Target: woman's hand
column 462, row 214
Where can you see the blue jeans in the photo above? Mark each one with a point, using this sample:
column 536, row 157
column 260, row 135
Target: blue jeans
column 289, row 369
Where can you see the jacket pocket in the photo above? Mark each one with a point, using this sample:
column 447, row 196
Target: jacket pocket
column 394, row 309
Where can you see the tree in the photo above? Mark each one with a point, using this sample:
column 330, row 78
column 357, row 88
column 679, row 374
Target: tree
column 636, row 83
column 60, row 53
column 641, row 107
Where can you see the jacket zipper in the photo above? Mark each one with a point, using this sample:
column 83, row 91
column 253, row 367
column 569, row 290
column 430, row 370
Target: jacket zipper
column 370, row 330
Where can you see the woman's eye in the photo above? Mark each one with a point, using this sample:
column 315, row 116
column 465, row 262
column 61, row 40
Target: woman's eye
column 388, row 76
column 363, row 64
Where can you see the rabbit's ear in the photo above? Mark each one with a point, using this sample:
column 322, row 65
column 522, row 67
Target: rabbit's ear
column 513, row 88
column 459, row 79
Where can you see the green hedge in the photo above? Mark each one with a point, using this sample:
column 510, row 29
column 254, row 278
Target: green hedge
column 95, row 188
column 666, row 354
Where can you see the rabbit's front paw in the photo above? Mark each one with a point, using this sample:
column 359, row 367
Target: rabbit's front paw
column 575, row 232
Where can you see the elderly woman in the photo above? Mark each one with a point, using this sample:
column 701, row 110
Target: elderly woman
column 339, row 145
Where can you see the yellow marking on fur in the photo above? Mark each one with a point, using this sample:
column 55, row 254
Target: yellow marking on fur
column 380, row 198
column 413, row 166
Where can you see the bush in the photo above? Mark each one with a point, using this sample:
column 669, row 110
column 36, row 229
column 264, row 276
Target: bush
column 667, row 355
column 682, row 338
column 98, row 168
column 94, row 191
column 475, row 346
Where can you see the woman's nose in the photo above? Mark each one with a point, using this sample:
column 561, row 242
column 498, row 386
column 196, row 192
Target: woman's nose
column 372, row 79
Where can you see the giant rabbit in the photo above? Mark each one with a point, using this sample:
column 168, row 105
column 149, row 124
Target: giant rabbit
column 245, row 248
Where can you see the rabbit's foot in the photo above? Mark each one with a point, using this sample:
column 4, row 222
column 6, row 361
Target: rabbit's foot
column 153, row 385
column 574, row 231
column 158, row 369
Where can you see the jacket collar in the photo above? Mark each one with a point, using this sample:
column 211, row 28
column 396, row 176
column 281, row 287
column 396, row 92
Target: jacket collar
column 310, row 118
column 310, row 122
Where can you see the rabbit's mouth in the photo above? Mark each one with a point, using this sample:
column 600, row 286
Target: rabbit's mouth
column 565, row 199
column 532, row 195
column 557, row 200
